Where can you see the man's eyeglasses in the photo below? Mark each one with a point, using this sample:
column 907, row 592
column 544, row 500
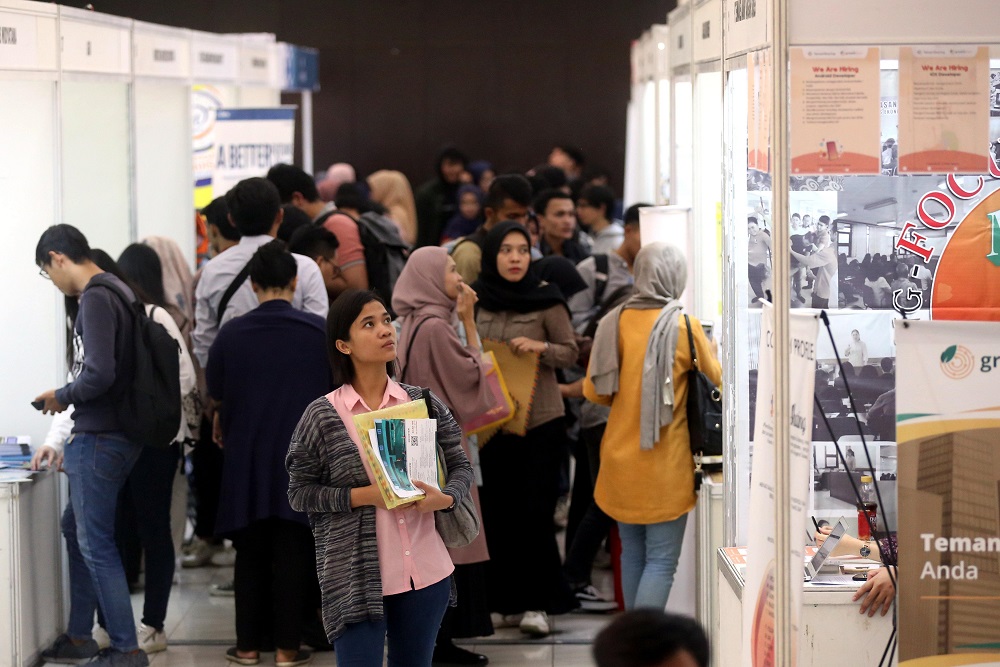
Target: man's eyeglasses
column 44, row 274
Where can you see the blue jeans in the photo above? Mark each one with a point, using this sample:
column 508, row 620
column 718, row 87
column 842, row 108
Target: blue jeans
column 97, row 466
column 649, row 560
column 411, row 622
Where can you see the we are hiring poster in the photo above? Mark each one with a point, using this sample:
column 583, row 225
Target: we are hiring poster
column 948, row 432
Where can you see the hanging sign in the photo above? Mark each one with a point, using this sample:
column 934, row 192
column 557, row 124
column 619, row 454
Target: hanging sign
column 248, row 142
column 835, row 110
column 759, row 110
column 758, row 593
column 944, row 109
column 947, row 427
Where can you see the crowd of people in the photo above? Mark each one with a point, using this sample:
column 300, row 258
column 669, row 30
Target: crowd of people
column 331, row 297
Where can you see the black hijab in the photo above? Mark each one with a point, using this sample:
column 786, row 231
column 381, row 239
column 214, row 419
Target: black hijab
column 562, row 273
column 498, row 294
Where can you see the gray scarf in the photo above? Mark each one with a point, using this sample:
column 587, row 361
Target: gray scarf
column 660, row 278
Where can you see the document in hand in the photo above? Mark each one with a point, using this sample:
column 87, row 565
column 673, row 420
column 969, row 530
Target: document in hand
column 520, row 372
column 401, row 446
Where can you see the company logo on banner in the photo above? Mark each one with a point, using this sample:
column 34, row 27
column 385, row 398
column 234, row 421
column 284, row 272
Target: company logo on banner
column 957, row 362
column 949, row 492
column 248, row 142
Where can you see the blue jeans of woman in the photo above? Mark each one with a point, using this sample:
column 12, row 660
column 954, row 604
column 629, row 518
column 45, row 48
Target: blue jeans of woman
column 97, row 465
column 410, row 622
column 650, row 554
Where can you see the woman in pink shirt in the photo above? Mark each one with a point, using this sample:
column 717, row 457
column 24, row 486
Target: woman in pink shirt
column 380, row 571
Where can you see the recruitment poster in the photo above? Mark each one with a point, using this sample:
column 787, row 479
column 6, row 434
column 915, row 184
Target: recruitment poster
column 758, row 592
column 835, row 110
column 948, row 430
column 248, row 142
column 944, row 109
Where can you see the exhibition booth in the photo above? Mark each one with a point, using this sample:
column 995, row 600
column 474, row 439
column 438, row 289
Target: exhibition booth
column 884, row 121
column 97, row 124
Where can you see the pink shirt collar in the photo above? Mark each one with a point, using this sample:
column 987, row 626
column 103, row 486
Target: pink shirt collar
column 392, row 390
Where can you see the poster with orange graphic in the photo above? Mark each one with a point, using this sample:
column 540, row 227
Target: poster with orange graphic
column 947, row 427
column 835, row 110
column 944, row 109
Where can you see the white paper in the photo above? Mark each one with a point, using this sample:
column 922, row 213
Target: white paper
column 421, row 451
column 399, row 486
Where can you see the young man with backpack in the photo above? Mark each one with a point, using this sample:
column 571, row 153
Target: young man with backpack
column 297, row 188
column 98, row 455
column 609, row 283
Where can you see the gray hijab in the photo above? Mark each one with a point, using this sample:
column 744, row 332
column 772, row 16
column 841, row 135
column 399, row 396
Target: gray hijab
column 660, row 278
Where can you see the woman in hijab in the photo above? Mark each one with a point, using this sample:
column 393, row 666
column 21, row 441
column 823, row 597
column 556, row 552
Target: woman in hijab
column 429, row 298
column 521, row 473
column 469, row 215
column 482, row 173
column 393, row 191
column 178, row 283
column 646, row 480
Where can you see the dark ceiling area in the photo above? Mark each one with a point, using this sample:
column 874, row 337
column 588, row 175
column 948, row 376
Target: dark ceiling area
column 504, row 81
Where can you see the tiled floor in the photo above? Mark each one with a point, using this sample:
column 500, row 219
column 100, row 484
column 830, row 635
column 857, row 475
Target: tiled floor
column 200, row 627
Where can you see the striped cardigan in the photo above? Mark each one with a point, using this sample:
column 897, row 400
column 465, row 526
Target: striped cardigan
column 323, row 466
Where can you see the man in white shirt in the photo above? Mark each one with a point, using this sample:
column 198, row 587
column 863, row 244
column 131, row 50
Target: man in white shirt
column 255, row 211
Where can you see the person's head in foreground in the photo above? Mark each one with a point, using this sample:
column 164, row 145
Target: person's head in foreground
column 651, row 638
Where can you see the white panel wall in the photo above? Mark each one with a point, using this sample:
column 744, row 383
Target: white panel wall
column 32, row 348
column 97, row 192
column 163, row 169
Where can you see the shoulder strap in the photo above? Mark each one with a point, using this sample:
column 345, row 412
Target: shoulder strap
column 694, row 356
column 129, row 305
column 426, row 395
column 601, row 267
column 230, row 291
column 409, row 348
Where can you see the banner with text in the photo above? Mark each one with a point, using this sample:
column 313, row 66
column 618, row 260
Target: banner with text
column 944, row 110
column 948, row 430
column 758, row 591
column 248, row 142
column 835, row 118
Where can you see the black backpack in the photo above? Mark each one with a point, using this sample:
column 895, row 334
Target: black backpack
column 149, row 408
column 385, row 250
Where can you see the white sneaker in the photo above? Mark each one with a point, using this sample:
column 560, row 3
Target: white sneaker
column 225, row 557
column 506, row 621
column 100, row 636
column 150, row 639
column 536, row 624
column 198, row 553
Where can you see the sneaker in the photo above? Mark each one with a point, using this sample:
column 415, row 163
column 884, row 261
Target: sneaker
column 151, row 640
column 590, row 599
column 506, row 620
column 225, row 557
column 110, row 657
column 198, row 553
column 65, row 651
column 226, row 590
column 536, row 624
column 101, row 637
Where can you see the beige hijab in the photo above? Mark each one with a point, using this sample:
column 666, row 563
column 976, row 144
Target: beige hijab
column 392, row 190
column 178, row 281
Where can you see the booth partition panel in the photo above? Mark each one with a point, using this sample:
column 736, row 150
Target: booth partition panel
column 96, row 162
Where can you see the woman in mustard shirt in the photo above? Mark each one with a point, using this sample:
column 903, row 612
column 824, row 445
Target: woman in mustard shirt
column 646, row 481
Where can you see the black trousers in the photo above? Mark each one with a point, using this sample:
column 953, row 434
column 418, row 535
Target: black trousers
column 595, row 524
column 206, row 462
column 273, row 579
column 519, row 493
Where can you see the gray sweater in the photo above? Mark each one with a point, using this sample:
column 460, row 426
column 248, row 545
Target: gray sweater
column 323, row 466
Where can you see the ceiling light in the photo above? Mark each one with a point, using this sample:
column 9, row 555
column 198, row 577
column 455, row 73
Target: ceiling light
column 881, row 203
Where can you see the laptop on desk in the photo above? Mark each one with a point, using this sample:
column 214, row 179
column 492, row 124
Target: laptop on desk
column 813, row 566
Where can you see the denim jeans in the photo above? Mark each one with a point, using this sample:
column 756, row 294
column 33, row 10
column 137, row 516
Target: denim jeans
column 411, row 622
column 649, row 560
column 97, row 466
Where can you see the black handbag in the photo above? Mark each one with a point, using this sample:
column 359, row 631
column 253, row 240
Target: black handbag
column 460, row 525
column 704, row 414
